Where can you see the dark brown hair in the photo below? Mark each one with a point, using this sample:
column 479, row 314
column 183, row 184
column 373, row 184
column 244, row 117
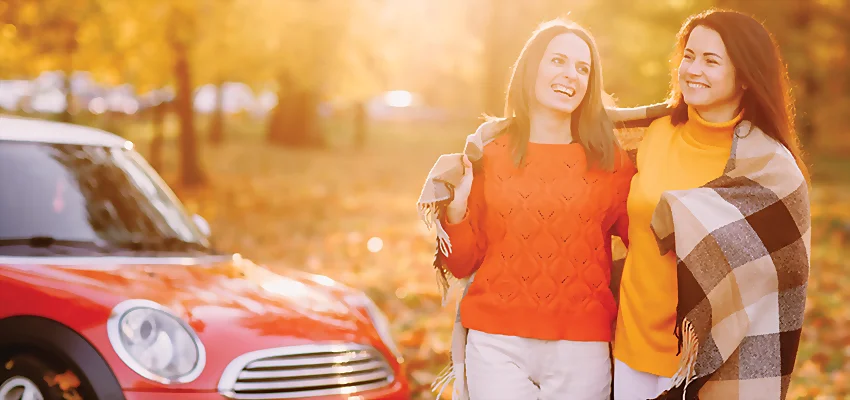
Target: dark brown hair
column 759, row 67
column 590, row 123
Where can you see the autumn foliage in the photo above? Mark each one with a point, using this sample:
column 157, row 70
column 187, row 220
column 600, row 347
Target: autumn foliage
column 302, row 184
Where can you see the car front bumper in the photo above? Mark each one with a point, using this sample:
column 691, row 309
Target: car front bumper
column 396, row 391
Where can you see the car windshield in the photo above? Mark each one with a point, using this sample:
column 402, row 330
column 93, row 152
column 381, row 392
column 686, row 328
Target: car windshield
column 61, row 199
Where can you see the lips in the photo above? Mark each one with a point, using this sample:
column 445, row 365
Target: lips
column 568, row 91
column 697, row 85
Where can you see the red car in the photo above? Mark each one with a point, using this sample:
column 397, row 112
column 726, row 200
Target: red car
column 110, row 291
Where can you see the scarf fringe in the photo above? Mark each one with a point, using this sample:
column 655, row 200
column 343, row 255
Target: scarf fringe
column 444, row 284
column 451, row 375
column 687, row 362
column 428, row 212
column 455, row 372
column 444, row 378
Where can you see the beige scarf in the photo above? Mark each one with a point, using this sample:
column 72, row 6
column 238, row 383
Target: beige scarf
column 437, row 192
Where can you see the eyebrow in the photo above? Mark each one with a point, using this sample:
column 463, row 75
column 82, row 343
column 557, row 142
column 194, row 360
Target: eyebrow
column 707, row 53
column 565, row 56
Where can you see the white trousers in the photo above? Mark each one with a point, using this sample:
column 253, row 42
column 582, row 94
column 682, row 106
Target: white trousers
column 513, row 368
column 635, row 385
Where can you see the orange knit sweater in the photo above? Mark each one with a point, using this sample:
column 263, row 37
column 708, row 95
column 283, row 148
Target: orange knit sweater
column 540, row 240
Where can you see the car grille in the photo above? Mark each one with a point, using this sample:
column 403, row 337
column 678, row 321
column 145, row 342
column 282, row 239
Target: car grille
column 304, row 371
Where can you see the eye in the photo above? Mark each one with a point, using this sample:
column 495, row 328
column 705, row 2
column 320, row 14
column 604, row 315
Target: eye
column 583, row 69
column 711, row 61
column 557, row 60
column 688, row 57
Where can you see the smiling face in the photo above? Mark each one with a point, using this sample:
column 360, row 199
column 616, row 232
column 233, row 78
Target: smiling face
column 563, row 74
column 706, row 74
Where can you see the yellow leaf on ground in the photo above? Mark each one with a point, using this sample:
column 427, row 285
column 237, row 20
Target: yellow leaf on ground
column 66, row 381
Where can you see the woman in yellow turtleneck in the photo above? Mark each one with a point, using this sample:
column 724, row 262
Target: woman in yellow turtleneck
column 669, row 158
column 717, row 61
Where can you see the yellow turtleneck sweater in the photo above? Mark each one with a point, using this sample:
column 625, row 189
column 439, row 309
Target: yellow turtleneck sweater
column 669, row 158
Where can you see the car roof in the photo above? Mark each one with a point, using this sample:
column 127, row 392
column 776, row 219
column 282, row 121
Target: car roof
column 24, row 129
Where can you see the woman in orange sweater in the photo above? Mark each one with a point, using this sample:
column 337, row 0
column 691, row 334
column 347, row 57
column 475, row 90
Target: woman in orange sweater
column 727, row 69
column 533, row 221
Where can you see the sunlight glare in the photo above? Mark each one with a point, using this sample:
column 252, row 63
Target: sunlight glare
column 375, row 244
column 97, row 105
column 399, row 98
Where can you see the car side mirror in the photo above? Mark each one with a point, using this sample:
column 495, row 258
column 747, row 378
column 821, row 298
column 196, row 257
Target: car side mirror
column 202, row 225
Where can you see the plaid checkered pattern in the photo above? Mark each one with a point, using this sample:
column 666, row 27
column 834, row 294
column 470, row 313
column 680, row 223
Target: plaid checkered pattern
column 743, row 245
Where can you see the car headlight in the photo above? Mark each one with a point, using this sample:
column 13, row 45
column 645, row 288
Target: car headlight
column 155, row 343
column 379, row 320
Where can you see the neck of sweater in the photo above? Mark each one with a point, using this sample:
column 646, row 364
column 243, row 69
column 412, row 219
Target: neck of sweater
column 709, row 135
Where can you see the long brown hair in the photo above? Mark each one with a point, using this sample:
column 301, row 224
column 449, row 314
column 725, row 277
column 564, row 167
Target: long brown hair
column 590, row 124
column 759, row 67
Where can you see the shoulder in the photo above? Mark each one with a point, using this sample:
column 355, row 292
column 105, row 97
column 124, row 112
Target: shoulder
column 754, row 143
column 497, row 151
column 653, row 135
column 488, row 132
column 494, row 136
column 492, row 128
column 660, row 128
column 661, row 124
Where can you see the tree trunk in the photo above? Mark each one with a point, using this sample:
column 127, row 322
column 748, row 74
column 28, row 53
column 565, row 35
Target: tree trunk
column 309, row 134
column 191, row 173
column 277, row 117
column 157, row 142
column 292, row 123
column 216, row 134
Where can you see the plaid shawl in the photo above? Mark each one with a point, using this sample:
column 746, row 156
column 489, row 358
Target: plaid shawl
column 437, row 193
column 743, row 244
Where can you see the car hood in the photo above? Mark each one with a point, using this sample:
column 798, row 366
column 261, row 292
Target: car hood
column 233, row 295
column 234, row 306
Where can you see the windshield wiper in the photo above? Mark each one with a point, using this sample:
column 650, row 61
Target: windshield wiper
column 67, row 246
column 49, row 242
column 44, row 242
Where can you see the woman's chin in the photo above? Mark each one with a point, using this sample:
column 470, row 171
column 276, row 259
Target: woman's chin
column 562, row 108
column 695, row 100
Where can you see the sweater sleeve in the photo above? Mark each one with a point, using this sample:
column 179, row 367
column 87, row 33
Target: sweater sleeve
column 467, row 236
column 619, row 210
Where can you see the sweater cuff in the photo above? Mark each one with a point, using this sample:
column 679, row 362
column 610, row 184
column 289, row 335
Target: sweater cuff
column 461, row 231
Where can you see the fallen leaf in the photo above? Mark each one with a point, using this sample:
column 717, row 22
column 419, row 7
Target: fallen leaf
column 66, row 381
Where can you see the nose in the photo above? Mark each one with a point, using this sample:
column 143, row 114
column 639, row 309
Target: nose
column 695, row 69
column 570, row 72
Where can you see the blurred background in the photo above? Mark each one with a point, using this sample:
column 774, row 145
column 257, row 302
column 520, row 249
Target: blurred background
column 303, row 129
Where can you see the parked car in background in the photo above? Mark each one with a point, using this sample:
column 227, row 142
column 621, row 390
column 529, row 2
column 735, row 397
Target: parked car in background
column 109, row 290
